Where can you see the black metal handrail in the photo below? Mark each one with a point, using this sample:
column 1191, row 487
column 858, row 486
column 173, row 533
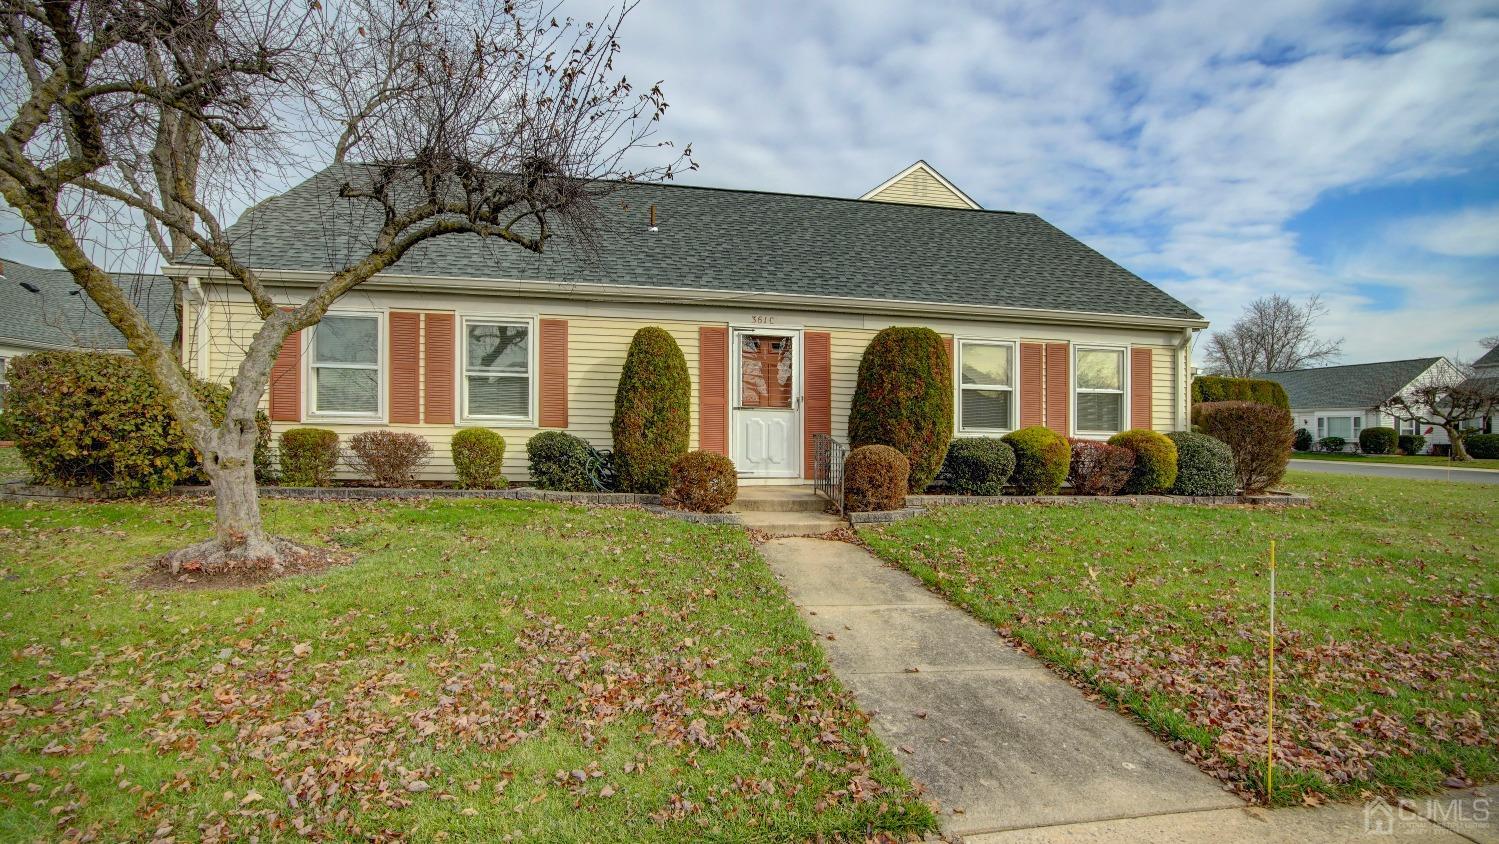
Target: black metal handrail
column 827, row 468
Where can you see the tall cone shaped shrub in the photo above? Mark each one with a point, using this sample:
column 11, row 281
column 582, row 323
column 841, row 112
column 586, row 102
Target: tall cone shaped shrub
column 904, row 399
column 652, row 412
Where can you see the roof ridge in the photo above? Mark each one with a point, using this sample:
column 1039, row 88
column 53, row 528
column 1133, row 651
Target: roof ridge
column 1432, row 358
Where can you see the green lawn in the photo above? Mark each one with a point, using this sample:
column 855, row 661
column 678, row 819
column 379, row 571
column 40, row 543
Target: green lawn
column 1402, row 459
column 483, row 671
column 1388, row 653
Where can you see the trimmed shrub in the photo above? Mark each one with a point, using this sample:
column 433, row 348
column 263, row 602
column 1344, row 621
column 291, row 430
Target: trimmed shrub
column 875, row 477
column 308, row 456
column 1204, row 466
column 904, row 399
column 479, row 458
column 1155, row 460
column 1412, row 444
column 97, row 419
column 978, row 466
column 388, row 458
column 1302, row 441
column 1378, row 440
column 559, row 461
column 5, row 434
column 652, row 412
column 1482, row 446
column 1259, row 436
column 1042, row 459
column 1099, row 468
column 702, row 481
column 1215, row 388
column 1332, row 445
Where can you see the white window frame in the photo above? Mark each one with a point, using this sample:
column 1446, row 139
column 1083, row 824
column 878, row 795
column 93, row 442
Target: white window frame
column 1357, row 425
column 1014, row 387
column 1123, row 391
column 477, row 420
column 381, row 367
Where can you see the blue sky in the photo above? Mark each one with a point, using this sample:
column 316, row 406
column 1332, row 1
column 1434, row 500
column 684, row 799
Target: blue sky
column 1221, row 150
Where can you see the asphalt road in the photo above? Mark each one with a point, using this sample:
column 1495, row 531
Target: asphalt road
column 1389, row 470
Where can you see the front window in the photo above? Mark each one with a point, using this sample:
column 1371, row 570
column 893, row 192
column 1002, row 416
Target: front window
column 346, row 366
column 1347, row 427
column 986, row 386
column 1100, row 391
column 497, row 370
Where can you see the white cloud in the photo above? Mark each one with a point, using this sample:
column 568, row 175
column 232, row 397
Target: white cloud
column 1468, row 233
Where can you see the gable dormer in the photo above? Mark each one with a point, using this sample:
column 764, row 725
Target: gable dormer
column 921, row 184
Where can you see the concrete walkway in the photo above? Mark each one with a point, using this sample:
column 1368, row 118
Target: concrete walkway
column 1393, row 470
column 1013, row 752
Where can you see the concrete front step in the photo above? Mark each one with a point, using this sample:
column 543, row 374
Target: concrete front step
column 790, row 523
column 778, row 499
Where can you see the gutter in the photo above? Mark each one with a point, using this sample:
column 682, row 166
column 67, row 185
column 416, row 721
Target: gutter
column 687, row 295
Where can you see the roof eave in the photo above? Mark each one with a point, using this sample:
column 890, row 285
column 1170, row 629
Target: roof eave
column 681, row 295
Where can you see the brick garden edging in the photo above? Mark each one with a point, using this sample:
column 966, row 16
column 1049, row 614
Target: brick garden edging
column 918, row 504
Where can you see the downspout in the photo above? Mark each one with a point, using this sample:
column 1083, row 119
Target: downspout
column 1184, row 383
column 199, row 300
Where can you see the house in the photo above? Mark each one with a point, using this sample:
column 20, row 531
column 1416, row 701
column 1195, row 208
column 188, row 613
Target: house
column 772, row 298
column 1341, row 401
column 44, row 309
column 1486, row 367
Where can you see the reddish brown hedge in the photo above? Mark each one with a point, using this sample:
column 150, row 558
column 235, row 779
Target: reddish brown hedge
column 875, row 477
column 388, row 458
column 1099, row 468
column 702, row 481
column 1258, row 434
column 904, row 399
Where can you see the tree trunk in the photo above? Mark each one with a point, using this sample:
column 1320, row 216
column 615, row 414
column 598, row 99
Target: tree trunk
column 1457, row 451
column 240, row 540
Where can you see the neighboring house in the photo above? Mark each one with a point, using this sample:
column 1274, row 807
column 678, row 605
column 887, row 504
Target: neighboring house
column 44, row 309
column 1341, row 401
column 1487, row 367
column 772, row 298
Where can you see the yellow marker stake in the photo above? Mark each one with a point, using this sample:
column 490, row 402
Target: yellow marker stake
column 1270, row 727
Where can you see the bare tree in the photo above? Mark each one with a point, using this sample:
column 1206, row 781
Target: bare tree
column 1449, row 397
column 1274, row 333
column 490, row 119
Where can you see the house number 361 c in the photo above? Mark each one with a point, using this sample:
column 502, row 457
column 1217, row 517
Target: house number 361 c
column 763, row 320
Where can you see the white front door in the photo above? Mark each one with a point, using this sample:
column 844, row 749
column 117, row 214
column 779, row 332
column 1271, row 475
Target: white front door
column 765, row 435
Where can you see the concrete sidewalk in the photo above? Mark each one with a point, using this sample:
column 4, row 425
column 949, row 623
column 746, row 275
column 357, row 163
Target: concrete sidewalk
column 1013, row 752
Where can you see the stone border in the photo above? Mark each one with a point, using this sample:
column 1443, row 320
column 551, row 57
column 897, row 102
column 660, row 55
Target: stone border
column 695, row 517
column 918, row 504
column 21, row 492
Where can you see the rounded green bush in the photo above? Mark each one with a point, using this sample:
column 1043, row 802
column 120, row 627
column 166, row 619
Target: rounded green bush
column 1042, row 458
column 904, row 399
column 702, row 481
column 1412, row 443
column 978, row 465
column 559, row 461
column 652, row 412
column 479, row 458
column 1204, row 466
column 1303, row 440
column 1155, row 461
column 1214, row 388
column 1378, row 440
column 875, row 479
column 1332, row 445
column 308, row 456
column 1482, row 446
column 97, row 419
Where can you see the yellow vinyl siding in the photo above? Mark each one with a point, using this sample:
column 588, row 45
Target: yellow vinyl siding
column 846, row 349
column 1163, row 388
column 919, row 187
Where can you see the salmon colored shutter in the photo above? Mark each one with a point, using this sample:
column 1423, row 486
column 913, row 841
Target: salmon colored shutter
column 1032, row 369
column 947, row 344
column 713, row 389
column 1058, row 386
column 1139, row 388
column 405, row 367
column 286, row 381
column 553, row 376
column 440, row 356
column 817, row 392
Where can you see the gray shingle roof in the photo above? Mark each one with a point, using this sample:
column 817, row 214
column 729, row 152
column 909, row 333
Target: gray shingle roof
column 739, row 242
column 1490, row 358
column 52, row 317
column 1359, row 385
